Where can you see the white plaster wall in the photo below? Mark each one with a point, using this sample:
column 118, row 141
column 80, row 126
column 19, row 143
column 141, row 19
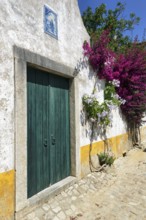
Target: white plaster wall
column 87, row 81
column 21, row 24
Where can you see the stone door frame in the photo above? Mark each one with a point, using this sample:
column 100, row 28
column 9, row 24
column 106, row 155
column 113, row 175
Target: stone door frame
column 23, row 58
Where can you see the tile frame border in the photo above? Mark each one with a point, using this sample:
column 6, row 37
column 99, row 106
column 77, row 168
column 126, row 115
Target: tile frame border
column 56, row 22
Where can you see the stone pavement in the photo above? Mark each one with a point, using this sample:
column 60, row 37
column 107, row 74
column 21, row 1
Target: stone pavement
column 119, row 193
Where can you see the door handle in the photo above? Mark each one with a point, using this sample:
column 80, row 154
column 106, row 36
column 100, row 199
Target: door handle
column 53, row 140
column 45, row 143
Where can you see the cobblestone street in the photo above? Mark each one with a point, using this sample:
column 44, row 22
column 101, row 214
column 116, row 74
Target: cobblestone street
column 118, row 193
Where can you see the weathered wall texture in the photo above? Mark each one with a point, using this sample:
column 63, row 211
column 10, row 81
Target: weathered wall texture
column 21, row 24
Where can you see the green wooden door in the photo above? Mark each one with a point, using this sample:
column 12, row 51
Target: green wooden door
column 48, row 150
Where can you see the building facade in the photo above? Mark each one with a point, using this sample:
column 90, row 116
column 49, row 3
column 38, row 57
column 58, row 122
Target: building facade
column 44, row 146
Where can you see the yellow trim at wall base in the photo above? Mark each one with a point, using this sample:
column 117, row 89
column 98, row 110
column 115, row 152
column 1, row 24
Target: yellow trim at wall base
column 118, row 144
column 7, row 195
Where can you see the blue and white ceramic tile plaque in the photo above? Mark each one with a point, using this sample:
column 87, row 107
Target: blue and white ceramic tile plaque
column 50, row 22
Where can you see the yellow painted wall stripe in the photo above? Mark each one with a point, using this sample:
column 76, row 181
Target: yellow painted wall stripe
column 97, row 147
column 118, row 145
column 7, row 195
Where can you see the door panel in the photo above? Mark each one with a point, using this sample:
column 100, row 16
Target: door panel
column 38, row 161
column 48, row 130
column 31, row 141
column 59, row 122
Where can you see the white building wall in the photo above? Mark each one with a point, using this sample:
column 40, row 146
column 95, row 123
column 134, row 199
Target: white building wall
column 21, row 24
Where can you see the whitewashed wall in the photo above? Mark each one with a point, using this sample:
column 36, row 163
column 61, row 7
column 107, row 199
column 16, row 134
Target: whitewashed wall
column 21, row 24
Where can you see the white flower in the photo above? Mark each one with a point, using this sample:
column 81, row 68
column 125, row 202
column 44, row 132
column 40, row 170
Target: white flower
column 115, row 37
column 116, row 83
column 111, row 107
column 123, row 101
column 109, row 62
column 116, row 96
column 88, row 100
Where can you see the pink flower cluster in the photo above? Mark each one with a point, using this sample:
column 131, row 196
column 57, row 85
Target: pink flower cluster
column 132, row 68
column 101, row 58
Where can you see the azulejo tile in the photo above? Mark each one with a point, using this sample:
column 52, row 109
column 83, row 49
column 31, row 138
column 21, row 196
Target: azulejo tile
column 50, row 22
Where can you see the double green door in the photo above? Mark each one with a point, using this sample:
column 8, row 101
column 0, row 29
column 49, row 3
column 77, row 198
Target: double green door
column 48, row 133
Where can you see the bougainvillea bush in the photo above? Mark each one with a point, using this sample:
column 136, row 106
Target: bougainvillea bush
column 128, row 70
column 132, row 75
column 101, row 57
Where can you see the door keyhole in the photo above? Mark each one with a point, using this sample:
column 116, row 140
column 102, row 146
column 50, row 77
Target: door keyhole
column 45, row 143
column 53, row 140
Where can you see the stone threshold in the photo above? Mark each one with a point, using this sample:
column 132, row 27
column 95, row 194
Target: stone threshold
column 37, row 200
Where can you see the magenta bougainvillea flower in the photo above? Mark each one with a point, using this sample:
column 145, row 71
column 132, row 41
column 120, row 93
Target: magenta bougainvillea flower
column 129, row 69
column 101, row 58
column 132, row 68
